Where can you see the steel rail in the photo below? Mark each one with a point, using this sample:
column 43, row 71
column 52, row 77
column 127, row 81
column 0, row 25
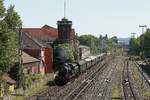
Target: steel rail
column 127, row 87
column 77, row 91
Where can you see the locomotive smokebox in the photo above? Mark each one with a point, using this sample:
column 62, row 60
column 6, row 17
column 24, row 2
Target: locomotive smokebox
column 61, row 55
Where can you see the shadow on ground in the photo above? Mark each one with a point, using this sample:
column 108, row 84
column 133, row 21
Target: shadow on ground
column 146, row 69
column 51, row 83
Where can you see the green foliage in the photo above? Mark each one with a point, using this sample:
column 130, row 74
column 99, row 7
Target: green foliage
column 8, row 44
column 88, row 40
column 135, row 46
column 94, row 43
column 12, row 19
column 141, row 45
column 146, row 44
column 91, row 41
column 6, row 87
column 30, row 78
column 115, row 39
column 2, row 9
column 9, row 23
column 112, row 44
column 64, row 45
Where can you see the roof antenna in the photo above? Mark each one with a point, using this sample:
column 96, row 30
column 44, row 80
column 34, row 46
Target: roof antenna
column 64, row 8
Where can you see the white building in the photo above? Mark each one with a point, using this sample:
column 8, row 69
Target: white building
column 84, row 51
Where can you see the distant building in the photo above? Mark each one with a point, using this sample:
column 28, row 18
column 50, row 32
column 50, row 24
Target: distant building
column 124, row 41
column 84, row 51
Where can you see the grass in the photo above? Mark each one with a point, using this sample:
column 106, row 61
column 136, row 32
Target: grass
column 139, row 83
column 116, row 90
column 36, row 87
column 146, row 93
column 18, row 98
column 137, row 79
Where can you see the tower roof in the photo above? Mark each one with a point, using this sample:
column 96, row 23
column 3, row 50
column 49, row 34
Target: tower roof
column 64, row 21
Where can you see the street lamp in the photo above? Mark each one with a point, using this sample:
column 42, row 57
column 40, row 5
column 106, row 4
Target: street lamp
column 143, row 26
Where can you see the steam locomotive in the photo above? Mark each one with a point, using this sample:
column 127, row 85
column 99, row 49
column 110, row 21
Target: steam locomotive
column 68, row 71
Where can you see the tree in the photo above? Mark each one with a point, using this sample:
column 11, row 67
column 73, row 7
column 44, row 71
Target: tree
column 8, row 50
column 13, row 19
column 146, row 44
column 115, row 39
column 2, row 9
column 140, row 46
column 101, row 44
column 135, row 46
column 9, row 23
column 91, row 41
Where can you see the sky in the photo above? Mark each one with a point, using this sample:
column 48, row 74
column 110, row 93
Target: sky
column 113, row 17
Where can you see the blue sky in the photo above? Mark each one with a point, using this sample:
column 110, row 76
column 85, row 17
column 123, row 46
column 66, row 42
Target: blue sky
column 112, row 17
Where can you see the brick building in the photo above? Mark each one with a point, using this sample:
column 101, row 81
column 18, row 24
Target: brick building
column 38, row 42
column 40, row 51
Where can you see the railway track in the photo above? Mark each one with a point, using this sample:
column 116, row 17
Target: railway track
column 127, row 87
column 74, row 95
column 107, row 84
column 49, row 94
column 142, row 73
column 100, row 88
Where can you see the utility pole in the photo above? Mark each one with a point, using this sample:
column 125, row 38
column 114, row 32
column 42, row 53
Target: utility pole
column 143, row 27
column 21, row 74
column 64, row 8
